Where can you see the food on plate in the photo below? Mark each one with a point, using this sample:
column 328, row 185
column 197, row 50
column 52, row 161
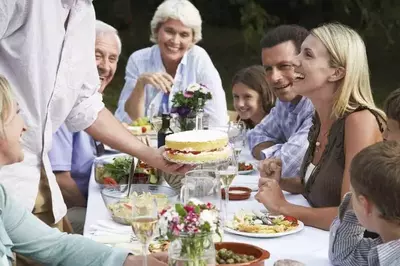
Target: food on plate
column 160, row 245
column 122, row 210
column 225, row 256
column 144, row 174
column 141, row 125
column 197, row 146
column 245, row 221
column 115, row 172
column 245, row 166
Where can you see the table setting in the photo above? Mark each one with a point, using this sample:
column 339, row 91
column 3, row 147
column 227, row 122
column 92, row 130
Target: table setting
column 307, row 245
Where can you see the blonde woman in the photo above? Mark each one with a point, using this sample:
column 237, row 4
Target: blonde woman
column 154, row 74
column 23, row 233
column 333, row 73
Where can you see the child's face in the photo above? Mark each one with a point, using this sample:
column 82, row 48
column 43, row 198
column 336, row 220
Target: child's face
column 392, row 131
column 362, row 210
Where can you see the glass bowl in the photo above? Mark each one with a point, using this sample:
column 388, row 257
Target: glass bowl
column 119, row 206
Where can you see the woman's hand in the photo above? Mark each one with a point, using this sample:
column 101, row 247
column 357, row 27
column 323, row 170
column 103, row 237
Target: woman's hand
column 271, row 196
column 160, row 80
column 156, row 259
column 269, row 169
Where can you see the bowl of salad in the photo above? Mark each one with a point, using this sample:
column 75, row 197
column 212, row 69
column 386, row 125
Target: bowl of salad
column 120, row 206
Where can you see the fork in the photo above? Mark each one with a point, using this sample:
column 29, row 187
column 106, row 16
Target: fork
column 264, row 217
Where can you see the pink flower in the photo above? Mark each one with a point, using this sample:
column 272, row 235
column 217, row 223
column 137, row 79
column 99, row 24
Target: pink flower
column 188, row 94
column 189, row 208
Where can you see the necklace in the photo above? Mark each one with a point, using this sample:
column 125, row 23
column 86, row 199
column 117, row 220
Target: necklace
column 318, row 142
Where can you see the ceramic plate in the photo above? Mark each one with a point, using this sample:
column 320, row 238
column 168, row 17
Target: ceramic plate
column 248, row 171
column 259, row 235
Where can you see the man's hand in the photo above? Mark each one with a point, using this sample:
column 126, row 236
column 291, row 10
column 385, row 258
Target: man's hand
column 270, row 169
column 159, row 162
column 271, row 196
column 156, row 259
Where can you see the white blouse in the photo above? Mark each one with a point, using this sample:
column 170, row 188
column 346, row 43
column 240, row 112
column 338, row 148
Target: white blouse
column 310, row 169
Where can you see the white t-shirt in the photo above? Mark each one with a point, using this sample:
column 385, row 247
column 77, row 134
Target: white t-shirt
column 4, row 261
column 310, row 169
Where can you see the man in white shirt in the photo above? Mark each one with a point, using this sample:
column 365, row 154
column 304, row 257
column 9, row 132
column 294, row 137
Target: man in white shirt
column 47, row 53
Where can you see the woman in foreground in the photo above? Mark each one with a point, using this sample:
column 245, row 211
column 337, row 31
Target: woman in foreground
column 21, row 232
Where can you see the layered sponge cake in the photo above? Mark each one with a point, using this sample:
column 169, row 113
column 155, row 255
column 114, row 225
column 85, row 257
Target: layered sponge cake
column 197, row 146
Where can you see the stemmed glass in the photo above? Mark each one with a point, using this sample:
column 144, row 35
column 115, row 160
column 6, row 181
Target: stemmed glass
column 227, row 171
column 237, row 136
column 154, row 118
column 144, row 220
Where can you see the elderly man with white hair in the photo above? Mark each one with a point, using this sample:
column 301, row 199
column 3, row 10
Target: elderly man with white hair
column 155, row 74
column 72, row 154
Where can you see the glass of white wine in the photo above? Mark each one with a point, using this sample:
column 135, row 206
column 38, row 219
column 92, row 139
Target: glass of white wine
column 227, row 171
column 144, row 220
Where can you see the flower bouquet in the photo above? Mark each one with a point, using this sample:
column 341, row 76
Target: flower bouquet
column 187, row 103
column 190, row 229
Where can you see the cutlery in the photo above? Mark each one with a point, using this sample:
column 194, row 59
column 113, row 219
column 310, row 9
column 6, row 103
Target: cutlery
column 263, row 217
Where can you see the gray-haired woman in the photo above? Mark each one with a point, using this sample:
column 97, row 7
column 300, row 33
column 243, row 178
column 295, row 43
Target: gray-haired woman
column 155, row 74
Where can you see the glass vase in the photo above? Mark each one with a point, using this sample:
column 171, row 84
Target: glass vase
column 186, row 123
column 192, row 250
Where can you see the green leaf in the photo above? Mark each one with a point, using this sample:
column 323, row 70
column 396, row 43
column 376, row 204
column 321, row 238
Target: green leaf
column 180, row 210
column 197, row 209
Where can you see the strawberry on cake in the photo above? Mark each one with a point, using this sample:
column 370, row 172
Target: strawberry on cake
column 197, row 146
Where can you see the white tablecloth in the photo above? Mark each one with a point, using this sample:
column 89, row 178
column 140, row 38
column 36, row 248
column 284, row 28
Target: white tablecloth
column 309, row 246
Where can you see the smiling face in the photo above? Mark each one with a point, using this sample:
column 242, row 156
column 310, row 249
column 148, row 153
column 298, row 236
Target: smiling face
column 174, row 39
column 312, row 67
column 107, row 52
column 247, row 102
column 10, row 143
column 392, row 131
column 277, row 62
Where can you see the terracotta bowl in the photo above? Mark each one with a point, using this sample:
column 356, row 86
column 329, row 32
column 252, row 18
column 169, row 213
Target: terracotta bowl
column 237, row 193
column 246, row 249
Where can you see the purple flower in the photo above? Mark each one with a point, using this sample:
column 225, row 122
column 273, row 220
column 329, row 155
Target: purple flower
column 174, row 110
column 183, row 111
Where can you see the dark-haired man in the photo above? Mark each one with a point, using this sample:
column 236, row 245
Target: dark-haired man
column 283, row 133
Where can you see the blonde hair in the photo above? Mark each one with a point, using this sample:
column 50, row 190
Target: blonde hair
column 6, row 103
column 182, row 10
column 347, row 50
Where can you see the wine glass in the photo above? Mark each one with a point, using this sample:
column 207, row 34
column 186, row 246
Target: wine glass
column 144, row 220
column 154, row 118
column 227, row 171
column 237, row 136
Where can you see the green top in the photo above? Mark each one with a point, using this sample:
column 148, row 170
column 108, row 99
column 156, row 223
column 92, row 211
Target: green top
column 23, row 233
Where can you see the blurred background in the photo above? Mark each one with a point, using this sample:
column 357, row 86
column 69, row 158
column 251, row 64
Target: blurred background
column 232, row 30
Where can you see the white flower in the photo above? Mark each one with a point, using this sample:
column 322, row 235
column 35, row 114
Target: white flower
column 209, row 216
column 203, row 89
column 193, row 87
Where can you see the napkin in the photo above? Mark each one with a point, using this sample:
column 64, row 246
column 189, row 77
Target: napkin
column 109, row 232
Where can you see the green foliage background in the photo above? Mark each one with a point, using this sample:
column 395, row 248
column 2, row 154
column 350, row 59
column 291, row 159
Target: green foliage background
column 232, row 30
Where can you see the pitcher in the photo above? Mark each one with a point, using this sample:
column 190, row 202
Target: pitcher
column 201, row 186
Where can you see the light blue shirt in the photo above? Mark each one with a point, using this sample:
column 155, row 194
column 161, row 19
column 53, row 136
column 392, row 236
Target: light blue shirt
column 73, row 152
column 23, row 233
column 287, row 126
column 195, row 67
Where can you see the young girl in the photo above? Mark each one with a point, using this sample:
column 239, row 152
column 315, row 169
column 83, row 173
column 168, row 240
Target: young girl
column 252, row 99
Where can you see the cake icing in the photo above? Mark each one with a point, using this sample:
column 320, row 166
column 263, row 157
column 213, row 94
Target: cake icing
column 197, row 146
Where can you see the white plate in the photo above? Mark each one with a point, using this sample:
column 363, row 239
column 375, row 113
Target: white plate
column 257, row 235
column 247, row 171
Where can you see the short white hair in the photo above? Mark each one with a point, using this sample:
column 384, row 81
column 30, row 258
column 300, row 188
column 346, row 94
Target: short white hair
column 182, row 10
column 103, row 29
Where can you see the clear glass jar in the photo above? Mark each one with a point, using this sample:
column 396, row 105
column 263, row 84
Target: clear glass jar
column 192, row 250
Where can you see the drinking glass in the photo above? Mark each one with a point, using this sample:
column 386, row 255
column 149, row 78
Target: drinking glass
column 237, row 136
column 144, row 220
column 227, row 171
column 154, row 117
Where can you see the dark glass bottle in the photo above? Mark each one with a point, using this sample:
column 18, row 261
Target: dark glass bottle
column 165, row 130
